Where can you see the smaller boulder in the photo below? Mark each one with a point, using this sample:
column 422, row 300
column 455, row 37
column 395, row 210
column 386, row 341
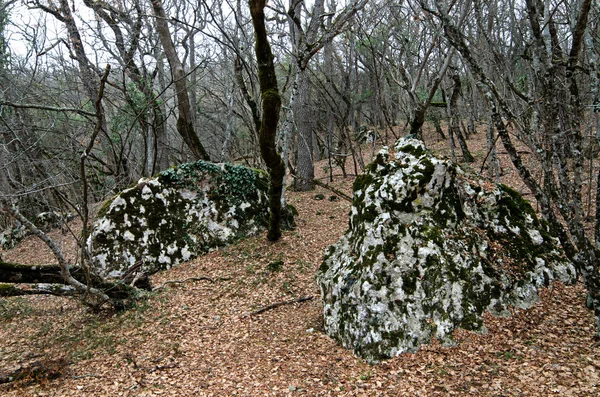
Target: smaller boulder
column 176, row 215
column 13, row 235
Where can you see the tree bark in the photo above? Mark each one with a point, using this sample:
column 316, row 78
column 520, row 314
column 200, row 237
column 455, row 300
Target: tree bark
column 271, row 104
column 56, row 289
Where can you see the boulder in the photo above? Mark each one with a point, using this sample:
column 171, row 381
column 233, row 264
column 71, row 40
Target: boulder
column 13, row 235
column 176, row 215
column 15, row 231
column 430, row 248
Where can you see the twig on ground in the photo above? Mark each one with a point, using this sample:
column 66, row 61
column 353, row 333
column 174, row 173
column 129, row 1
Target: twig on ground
column 325, row 186
column 84, row 376
column 162, row 367
column 202, row 278
column 275, row 305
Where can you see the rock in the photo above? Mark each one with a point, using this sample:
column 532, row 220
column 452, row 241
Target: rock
column 176, row 215
column 428, row 249
column 13, row 235
column 15, row 232
column 364, row 134
column 49, row 220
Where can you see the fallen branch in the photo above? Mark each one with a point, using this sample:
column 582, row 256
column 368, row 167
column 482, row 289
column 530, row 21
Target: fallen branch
column 334, row 190
column 65, row 271
column 202, row 278
column 275, row 305
column 84, row 376
column 325, row 186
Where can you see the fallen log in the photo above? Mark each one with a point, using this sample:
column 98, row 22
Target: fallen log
column 35, row 371
column 51, row 274
column 36, row 289
column 20, row 273
column 17, row 279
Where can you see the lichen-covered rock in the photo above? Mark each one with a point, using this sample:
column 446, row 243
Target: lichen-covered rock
column 13, row 235
column 428, row 249
column 174, row 216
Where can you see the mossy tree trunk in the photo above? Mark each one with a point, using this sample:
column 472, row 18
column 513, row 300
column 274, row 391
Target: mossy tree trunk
column 271, row 104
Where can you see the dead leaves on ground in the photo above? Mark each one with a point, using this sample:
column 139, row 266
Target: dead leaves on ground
column 194, row 338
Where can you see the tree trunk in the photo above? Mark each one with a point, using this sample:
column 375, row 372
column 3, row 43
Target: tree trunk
column 438, row 127
column 305, row 168
column 160, row 118
column 271, row 104
column 417, row 121
column 455, row 122
column 228, row 125
column 305, row 44
column 493, row 165
column 185, row 120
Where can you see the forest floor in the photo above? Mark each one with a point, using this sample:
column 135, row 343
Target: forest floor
column 199, row 338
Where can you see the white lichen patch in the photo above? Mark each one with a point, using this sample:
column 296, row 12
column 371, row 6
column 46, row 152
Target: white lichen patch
column 146, row 193
column 162, row 258
column 187, row 194
column 128, row 236
column 536, row 236
column 186, row 254
column 117, row 202
column 426, row 252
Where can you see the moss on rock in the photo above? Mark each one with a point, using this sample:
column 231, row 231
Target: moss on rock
column 179, row 213
column 429, row 249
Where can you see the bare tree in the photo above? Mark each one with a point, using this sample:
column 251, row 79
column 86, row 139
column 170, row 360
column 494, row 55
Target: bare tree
column 553, row 130
column 185, row 121
column 307, row 41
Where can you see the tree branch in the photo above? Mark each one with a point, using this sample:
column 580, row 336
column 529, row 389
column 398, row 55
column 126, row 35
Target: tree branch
column 43, row 107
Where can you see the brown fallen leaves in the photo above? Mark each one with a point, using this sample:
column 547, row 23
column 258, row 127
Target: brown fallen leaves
column 195, row 339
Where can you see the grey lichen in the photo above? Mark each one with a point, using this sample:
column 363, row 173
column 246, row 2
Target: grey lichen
column 174, row 216
column 429, row 249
